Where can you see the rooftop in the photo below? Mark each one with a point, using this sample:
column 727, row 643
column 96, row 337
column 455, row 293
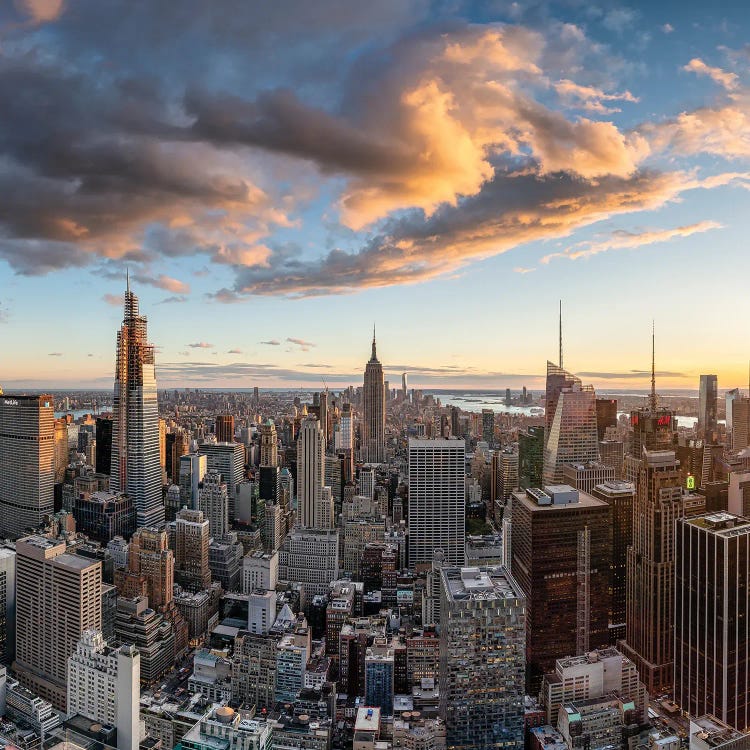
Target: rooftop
column 480, row 583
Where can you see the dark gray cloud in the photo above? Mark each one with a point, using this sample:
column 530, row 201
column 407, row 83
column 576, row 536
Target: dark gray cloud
column 271, row 342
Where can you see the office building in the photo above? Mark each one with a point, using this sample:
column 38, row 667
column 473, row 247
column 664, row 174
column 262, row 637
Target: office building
column 103, row 445
column 558, row 379
column 23, row 707
column 225, row 560
column 488, row 427
column 178, row 444
column 192, row 538
column 572, row 436
column 260, row 570
column 437, row 509
column 530, row 457
column 135, row 466
column 658, row 505
column 27, row 463
column 7, row 606
column 709, row 733
column 482, row 658
column 585, row 476
column 379, row 677
column 104, row 515
column 373, row 411
column 612, row 454
column 711, row 666
column 150, row 569
column 99, row 678
column 62, row 449
column 310, row 557
column 224, row 428
column 229, row 460
column 213, row 501
column 58, row 597
column 708, row 394
column 740, row 410
column 313, row 510
column 606, row 416
column 620, row 496
column 560, row 555
column 192, row 469
column 594, row 674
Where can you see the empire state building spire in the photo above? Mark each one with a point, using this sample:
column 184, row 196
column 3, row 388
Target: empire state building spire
column 136, row 467
column 374, row 357
column 373, row 412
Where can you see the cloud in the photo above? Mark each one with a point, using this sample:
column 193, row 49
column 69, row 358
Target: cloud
column 522, row 270
column 166, row 283
column 41, row 11
column 623, row 239
column 89, row 355
column 55, row 354
column 724, row 78
column 116, row 300
column 619, row 19
column 175, row 299
column 200, row 345
column 271, row 342
column 304, row 345
column 667, row 28
column 234, row 351
column 590, row 98
column 4, row 314
column 632, row 375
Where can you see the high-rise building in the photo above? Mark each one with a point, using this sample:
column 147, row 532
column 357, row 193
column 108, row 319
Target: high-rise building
column 482, row 658
column 606, row 415
column 99, row 675
column 104, row 515
column 572, row 434
column 136, row 469
column 269, row 444
column 192, row 538
column 560, row 555
column 150, row 568
column 404, row 387
column 740, row 420
column 379, row 677
column 729, row 397
column 213, row 500
column 711, row 666
column 27, row 463
column 373, row 411
column 103, row 445
column 488, row 426
column 224, row 429
column 193, row 467
column 650, row 570
column 437, row 504
column 176, row 448
column 310, row 557
column 530, row 456
column 612, row 454
column 619, row 495
column 557, row 380
column 58, row 597
column 229, row 460
column 707, row 396
column 585, row 476
column 312, row 512
column 7, row 605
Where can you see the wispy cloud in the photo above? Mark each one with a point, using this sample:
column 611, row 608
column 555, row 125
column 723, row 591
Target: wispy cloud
column 55, row 354
column 271, row 342
column 42, row 11
column 723, row 77
column 303, row 345
column 173, row 300
column 234, row 351
column 167, row 283
column 200, row 345
column 522, row 270
column 667, row 28
column 116, row 300
column 632, row 375
column 623, row 239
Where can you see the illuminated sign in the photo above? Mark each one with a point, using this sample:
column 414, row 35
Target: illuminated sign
column 634, row 419
column 665, row 421
column 10, row 402
column 690, row 484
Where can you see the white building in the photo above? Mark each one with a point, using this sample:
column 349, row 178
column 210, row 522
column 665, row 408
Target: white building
column 213, row 500
column 310, row 557
column 193, row 467
column 437, row 505
column 261, row 611
column 260, row 570
column 104, row 686
column 311, row 510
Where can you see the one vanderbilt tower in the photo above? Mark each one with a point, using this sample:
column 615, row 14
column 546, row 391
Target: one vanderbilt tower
column 135, row 430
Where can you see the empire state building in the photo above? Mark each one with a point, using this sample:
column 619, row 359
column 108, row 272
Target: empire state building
column 135, row 464
column 373, row 421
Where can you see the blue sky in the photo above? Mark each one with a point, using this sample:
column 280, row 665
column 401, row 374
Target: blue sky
column 293, row 172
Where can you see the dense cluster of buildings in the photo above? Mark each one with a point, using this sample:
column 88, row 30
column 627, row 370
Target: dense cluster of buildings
column 372, row 569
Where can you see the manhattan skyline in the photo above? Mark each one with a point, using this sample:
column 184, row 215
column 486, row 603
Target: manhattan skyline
column 452, row 169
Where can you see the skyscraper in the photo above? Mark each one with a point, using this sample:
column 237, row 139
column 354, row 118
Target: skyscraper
column 373, row 413
column 404, row 387
column 606, row 415
column 58, row 597
column 530, row 456
column 27, row 463
column 311, row 510
column 103, row 445
column 650, row 570
column 572, row 436
column 560, row 554
column 482, row 658
column 437, row 505
column 488, row 426
column 224, row 428
column 214, row 503
column 192, row 538
column 557, row 380
column 707, row 396
column 712, row 671
column 7, row 605
column 136, row 469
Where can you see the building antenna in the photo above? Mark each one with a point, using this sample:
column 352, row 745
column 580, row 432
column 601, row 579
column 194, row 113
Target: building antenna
column 653, row 368
column 561, row 347
column 127, row 279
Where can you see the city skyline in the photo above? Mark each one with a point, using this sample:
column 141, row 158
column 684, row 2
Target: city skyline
column 616, row 128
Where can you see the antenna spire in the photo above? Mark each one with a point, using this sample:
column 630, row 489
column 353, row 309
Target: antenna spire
column 127, row 279
column 561, row 346
column 374, row 355
column 653, row 367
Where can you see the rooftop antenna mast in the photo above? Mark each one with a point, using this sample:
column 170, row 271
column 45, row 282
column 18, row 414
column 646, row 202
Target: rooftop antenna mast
column 653, row 368
column 127, row 279
column 561, row 347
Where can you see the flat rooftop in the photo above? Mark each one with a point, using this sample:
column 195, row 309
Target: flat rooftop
column 474, row 583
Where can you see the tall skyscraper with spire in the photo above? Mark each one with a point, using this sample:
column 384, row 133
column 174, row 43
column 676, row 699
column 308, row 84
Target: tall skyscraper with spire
column 135, row 427
column 373, row 416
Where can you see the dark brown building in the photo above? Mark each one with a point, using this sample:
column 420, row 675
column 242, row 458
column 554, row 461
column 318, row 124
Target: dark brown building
column 606, row 415
column 224, row 428
column 561, row 552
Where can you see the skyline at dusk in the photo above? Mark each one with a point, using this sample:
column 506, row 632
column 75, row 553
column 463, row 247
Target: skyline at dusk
column 277, row 181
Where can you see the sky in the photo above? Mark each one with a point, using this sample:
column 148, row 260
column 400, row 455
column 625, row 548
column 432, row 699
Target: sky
column 278, row 177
